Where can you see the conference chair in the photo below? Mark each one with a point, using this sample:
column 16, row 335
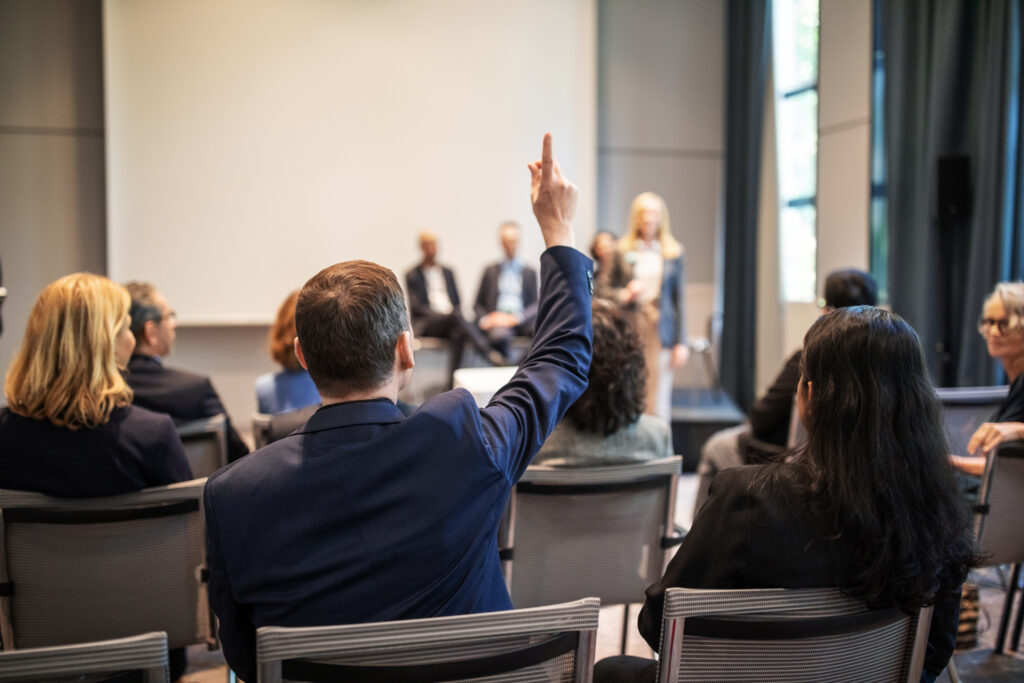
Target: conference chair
column 999, row 526
column 601, row 531
column 777, row 634
column 206, row 444
column 145, row 655
column 551, row 643
column 83, row 569
column 964, row 409
column 267, row 428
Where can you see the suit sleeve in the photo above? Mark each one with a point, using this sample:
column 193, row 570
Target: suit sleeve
column 714, row 553
column 453, row 289
column 212, row 406
column 554, row 373
column 169, row 463
column 237, row 633
column 529, row 295
column 416, row 289
column 771, row 413
column 480, row 307
column 678, row 295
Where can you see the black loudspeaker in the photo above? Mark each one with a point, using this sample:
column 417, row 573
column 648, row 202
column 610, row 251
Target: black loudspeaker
column 954, row 188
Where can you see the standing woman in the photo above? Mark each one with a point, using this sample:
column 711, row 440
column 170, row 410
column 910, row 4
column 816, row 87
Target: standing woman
column 651, row 278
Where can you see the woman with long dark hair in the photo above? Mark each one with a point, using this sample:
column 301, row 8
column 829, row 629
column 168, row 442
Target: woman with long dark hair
column 869, row 505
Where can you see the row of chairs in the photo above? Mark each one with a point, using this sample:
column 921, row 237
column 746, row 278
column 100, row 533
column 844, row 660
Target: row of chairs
column 768, row 634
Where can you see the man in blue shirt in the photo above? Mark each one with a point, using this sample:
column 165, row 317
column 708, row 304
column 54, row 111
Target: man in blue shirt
column 506, row 303
column 364, row 514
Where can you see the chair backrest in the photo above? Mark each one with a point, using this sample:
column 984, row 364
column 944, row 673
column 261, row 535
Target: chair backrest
column 964, row 409
column 775, row 634
column 581, row 531
column 145, row 654
column 206, row 444
column 270, row 428
column 999, row 518
column 552, row 643
column 99, row 568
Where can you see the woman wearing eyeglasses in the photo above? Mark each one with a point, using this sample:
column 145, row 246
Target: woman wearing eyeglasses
column 1002, row 326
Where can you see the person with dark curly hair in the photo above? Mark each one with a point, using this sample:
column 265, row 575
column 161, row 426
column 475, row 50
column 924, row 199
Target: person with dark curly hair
column 607, row 424
column 869, row 504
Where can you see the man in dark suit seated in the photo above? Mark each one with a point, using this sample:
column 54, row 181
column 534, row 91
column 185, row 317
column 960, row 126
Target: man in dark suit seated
column 182, row 395
column 365, row 514
column 506, row 303
column 434, row 307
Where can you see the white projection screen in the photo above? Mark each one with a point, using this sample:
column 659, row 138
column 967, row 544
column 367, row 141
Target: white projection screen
column 252, row 142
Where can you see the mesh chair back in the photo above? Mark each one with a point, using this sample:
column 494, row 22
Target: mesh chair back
column 590, row 531
column 553, row 643
column 206, row 444
column 775, row 634
column 100, row 568
column 999, row 524
column 145, row 654
column 270, row 428
column 964, row 409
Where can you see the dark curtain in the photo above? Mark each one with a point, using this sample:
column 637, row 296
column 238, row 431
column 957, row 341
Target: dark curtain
column 748, row 43
column 952, row 88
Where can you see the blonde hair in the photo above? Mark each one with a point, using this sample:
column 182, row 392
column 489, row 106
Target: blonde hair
column 65, row 370
column 670, row 247
column 282, row 334
column 1011, row 294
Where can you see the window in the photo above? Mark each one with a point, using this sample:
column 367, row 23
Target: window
column 795, row 38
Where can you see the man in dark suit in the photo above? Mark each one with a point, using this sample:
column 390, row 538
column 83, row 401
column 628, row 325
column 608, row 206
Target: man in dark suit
column 506, row 303
column 434, row 307
column 182, row 395
column 364, row 514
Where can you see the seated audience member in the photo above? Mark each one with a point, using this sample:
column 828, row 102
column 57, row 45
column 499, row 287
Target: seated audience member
column 391, row 517
column 1002, row 326
column 434, row 307
column 291, row 388
column 607, row 424
column 870, row 505
column 182, row 395
column 69, row 429
column 771, row 414
column 604, row 250
column 506, row 302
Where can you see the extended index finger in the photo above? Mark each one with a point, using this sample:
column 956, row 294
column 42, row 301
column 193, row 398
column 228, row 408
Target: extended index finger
column 546, row 160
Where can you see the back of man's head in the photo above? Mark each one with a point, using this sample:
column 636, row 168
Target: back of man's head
column 144, row 307
column 850, row 287
column 348, row 318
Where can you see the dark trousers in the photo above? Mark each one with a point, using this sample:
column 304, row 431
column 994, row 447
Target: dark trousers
column 457, row 330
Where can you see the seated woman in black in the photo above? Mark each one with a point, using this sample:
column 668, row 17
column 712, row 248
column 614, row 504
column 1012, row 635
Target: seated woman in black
column 69, row 429
column 869, row 505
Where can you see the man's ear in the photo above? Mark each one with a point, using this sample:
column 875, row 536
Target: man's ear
column 403, row 351
column 299, row 355
column 149, row 334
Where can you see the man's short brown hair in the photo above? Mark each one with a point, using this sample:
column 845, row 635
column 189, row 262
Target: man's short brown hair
column 348, row 318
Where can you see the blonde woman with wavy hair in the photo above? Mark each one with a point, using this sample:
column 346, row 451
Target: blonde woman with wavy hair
column 649, row 277
column 70, row 429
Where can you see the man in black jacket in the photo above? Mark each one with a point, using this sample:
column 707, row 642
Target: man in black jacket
column 182, row 395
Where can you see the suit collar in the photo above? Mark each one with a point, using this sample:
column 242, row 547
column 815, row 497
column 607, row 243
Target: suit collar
column 141, row 362
column 349, row 413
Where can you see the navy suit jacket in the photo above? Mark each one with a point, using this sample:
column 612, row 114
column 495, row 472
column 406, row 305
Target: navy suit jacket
column 487, row 295
column 419, row 298
column 134, row 449
column 365, row 514
column 182, row 395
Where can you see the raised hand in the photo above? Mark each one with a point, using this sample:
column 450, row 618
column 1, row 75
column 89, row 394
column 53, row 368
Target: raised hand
column 553, row 197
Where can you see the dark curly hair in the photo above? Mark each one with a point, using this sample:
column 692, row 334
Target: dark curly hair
column 876, row 458
column 615, row 392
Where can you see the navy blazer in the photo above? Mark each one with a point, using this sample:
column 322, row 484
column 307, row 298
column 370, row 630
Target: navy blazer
column 367, row 515
column 487, row 295
column 419, row 298
column 134, row 449
column 182, row 395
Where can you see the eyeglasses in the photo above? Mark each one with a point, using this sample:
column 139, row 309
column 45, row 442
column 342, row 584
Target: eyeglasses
column 1001, row 324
